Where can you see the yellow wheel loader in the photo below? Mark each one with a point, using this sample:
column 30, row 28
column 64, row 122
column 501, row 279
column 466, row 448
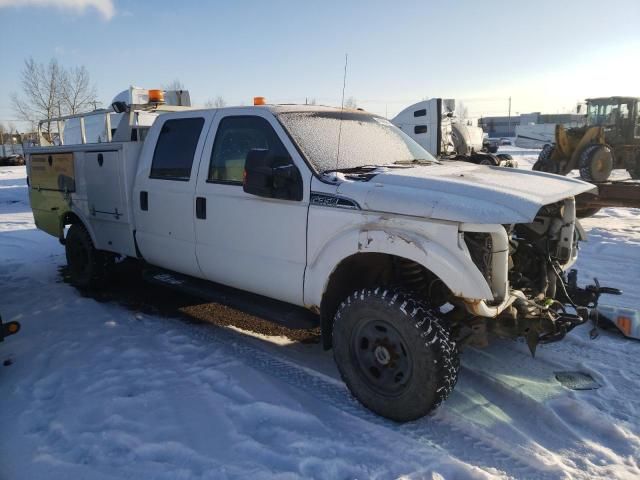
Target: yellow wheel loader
column 610, row 139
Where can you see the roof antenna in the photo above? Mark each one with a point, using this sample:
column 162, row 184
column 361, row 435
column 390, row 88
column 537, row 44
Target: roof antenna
column 344, row 83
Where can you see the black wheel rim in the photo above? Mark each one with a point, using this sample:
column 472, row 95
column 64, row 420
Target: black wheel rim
column 382, row 356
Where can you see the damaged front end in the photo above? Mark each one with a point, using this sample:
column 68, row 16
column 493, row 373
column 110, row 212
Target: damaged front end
column 525, row 265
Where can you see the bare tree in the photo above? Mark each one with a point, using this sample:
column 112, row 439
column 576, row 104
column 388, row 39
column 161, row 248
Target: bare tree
column 217, row 102
column 350, row 103
column 41, row 92
column 50, row 90
column 463, row 112
column 77, row 93
column 176, row 84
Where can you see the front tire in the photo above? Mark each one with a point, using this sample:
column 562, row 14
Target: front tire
column 88, row 267
column 634, row 167
column 394, row 353
column 596, row 163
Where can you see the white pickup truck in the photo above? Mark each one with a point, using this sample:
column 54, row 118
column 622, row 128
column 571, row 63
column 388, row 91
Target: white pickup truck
column 402, row 257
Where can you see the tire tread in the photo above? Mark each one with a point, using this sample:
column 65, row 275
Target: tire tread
column 428, row 325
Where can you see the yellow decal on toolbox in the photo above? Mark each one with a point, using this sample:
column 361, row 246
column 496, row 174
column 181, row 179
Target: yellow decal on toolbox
column 53, row 172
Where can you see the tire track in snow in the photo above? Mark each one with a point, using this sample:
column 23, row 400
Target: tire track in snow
column 587, row 355
column 469, row 445
column 576, row 421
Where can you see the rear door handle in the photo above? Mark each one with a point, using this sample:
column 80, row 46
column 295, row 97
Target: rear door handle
column 144, row 201
column 201, row 207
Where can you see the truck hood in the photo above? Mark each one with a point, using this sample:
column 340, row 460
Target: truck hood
column 462, row 192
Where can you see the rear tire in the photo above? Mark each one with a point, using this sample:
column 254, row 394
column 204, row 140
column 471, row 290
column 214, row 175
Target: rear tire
column 596, row 163
column 88, row 267
column 394, row 353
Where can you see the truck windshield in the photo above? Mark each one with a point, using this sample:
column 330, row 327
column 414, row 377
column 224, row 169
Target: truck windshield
column 365, row 140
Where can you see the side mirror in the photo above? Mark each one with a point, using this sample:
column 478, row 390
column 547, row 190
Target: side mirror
column 271, row 176
column 119, row 107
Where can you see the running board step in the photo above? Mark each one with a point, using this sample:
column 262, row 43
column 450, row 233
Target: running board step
column 282, row 313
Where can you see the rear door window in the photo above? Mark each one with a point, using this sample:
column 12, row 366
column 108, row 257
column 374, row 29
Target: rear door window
column 175, row 149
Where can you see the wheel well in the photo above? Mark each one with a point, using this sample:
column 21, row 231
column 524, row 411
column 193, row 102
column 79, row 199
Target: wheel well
column 366, row 270
column 69, row 218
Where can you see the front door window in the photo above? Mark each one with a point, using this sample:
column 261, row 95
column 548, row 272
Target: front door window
column 235, row 138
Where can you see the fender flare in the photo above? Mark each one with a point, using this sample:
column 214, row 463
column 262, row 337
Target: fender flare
column 85, row 223
column 457, row 271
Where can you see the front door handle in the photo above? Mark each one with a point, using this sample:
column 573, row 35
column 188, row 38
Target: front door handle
column 201, row 207
column 144, row 201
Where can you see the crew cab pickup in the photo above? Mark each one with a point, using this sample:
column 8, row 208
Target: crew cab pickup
column 404, row 258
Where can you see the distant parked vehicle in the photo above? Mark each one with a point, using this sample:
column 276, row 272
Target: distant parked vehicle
column 505, row 141
column 433, row 125
column 491, row 144
column 11, row 161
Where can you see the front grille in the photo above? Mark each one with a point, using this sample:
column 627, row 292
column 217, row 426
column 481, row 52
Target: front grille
column 481, row 249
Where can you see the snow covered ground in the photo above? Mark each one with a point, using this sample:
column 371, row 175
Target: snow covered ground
column 99, row 390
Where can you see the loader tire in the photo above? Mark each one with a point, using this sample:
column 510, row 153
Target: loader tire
column 485, row 159
column 587, row 212
column 395, row 354
column 544, row 162
column 634, row 168
column 596, row 163
column 88, row 267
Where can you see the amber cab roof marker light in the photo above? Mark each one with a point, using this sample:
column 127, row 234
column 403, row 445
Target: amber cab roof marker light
column 156, row 96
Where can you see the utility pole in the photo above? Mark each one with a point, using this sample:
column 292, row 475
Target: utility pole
column 509, row 115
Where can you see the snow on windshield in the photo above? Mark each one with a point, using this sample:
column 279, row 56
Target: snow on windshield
column 364, row 139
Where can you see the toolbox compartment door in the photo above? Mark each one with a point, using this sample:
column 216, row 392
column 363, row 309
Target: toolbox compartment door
column 53, row 171
column 105, row 190
column 104, row 173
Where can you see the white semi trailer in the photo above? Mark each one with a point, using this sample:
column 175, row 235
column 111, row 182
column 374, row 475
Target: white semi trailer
column 433, row 124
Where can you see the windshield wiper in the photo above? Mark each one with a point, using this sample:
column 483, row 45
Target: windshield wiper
column 418, row 161
column 357, row 169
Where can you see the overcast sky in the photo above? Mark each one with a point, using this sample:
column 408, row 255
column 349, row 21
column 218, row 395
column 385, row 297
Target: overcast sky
column 545, row 54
